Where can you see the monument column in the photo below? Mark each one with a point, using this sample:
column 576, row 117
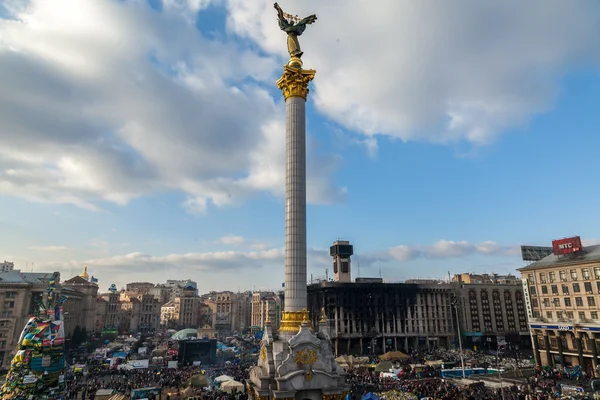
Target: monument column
column 294, row 86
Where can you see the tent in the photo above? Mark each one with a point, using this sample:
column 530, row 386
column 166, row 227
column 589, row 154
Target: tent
column 230, row 386
column 223, row 378
column 384, row 366
column 370, row 396
column 200, row 380
column 393, row 356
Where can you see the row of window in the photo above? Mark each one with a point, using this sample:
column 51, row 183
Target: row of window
column 585, row 274
column 587, row 287
column 591, row 302
column 569, row 315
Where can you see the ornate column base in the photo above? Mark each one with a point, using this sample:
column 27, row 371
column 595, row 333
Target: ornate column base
column 292, row 320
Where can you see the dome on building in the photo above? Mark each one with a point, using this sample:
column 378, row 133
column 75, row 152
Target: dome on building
column 84, row 274
column 185, row 334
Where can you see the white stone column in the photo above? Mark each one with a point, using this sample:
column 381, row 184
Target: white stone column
column 295, row 204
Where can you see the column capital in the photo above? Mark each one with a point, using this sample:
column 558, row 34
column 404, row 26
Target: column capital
column 294, row 82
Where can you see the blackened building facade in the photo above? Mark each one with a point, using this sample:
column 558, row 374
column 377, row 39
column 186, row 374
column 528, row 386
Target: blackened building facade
column 369, row 316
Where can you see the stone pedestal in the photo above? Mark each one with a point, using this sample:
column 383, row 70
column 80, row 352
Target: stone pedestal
column 300, row 368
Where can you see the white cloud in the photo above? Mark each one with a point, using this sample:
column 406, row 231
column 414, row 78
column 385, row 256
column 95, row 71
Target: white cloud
column 263, row 266
column 49, row 248
column 231, row 239
column 107, row 101
column 450, row 249
column 429, row 70
column 403, row 253
column 239, row 241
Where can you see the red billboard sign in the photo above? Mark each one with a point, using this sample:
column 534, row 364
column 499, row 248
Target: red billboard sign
column 567, row 245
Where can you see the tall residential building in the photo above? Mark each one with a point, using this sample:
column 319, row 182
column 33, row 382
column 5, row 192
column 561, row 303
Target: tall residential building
column 563, row 295
column 223, row 305
column 112, row 318
column 188, row 304
column 89, row 294
column 369, row 316
column 7, row 266
column 169, row 315
column 492, row 310
column 266, row 306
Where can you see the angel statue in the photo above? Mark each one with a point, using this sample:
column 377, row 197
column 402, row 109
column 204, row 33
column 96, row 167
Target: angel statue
column 294, row 27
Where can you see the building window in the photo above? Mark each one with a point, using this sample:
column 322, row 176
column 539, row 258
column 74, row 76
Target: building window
column 554, row 289
column 544, row 289
column 552, row 276
column 567, row 302
column 591, row 301
column 542, row 277
column 549, row 314
column 588, row 287
column 533, row 290
column 582, row 315
column 570, row 315
column 597, row 272
column 563, row 275
column 565, row 288
column 594, row 315
column 576, row 288
column 9, row 304
column 546, row 302
column 573, row 273
column 585, row 272
column 578, row 301
column 530, row 279
column 11, row 295
column 556, row 302
column 559, row 314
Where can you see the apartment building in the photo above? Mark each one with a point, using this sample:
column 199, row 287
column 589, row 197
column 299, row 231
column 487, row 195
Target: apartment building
column 492, row 311
column 562, row 292
column 266, row 306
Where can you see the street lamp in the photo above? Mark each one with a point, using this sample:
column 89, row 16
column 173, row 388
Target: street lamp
column 462, row 357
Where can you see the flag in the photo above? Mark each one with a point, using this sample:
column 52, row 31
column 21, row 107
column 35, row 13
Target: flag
column 283, row 284
column 94, row 280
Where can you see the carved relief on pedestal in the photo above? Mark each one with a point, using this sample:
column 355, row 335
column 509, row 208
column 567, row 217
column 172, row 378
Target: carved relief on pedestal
column 305, row 357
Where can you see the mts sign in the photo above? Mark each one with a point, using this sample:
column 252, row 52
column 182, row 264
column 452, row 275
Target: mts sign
column 567, row 245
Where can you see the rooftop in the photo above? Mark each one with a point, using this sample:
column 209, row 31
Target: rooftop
column 27, row 278
column 589, row 254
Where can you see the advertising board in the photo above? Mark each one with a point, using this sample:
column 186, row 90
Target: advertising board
column 567, row 245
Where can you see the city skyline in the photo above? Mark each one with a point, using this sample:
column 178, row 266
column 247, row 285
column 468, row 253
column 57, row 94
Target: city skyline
column 146, row 139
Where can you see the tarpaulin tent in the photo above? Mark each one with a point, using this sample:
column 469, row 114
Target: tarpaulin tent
column 393, row 356
column 230, row 386
column 200, row 380
column 370, row 396
column 223, row 378
column 384, row 366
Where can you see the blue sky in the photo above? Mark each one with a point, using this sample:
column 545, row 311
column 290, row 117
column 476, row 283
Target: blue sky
column 156, row 153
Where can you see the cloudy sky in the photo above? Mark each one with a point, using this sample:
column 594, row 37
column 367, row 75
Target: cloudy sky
column 146, row 138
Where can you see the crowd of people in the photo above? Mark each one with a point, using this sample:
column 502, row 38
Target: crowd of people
column 426, row 383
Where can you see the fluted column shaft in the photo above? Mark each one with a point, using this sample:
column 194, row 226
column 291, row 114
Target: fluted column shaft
column 295, row 204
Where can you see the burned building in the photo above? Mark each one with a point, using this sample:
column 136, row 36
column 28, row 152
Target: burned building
column 369, row 316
